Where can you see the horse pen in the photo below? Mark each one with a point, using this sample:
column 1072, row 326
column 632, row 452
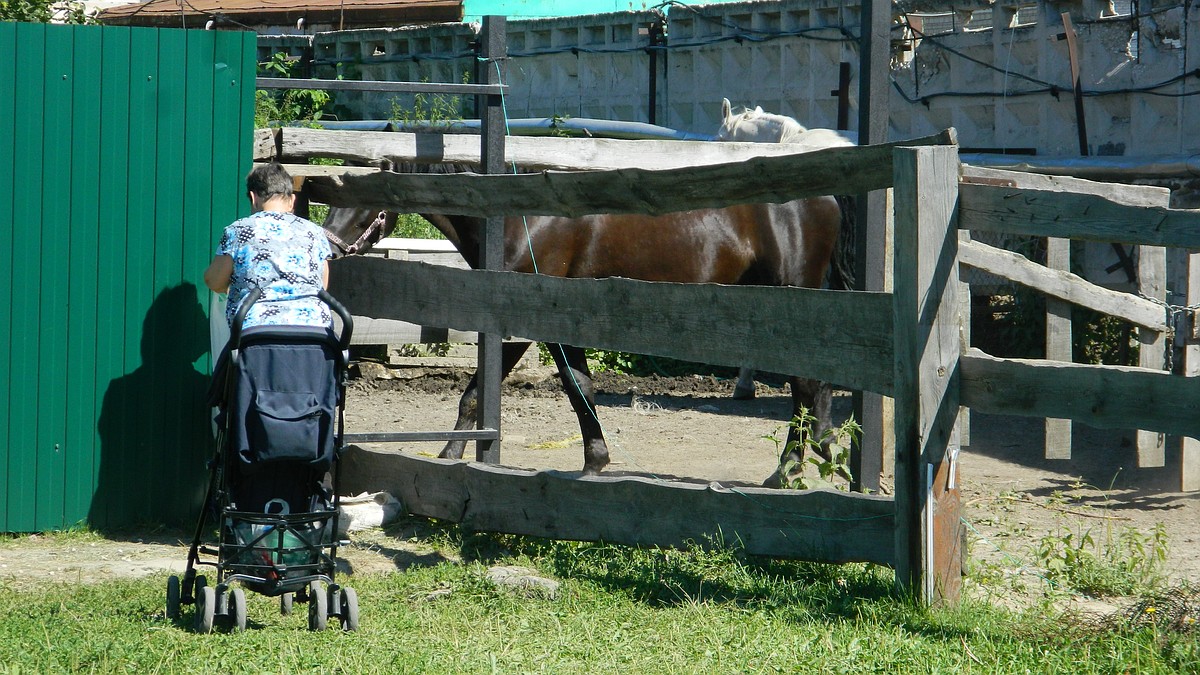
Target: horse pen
column 906, row 344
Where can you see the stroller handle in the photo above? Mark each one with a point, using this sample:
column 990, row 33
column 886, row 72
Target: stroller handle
column 235, row 330
column 341, row 311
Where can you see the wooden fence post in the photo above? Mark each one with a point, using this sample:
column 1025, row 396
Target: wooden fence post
column 1189, row 448
column 870, row 220
column 927, row 350
column 1152, row 283
column 493, row 49
column 1058, row 345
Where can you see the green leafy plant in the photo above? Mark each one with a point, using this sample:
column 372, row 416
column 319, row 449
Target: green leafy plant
column 288, row 106
column 1129, row 563
column 429, row 109
column 815, row 471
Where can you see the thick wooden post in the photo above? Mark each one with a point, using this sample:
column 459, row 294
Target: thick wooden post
column 870, row 220
column 493, row 49
column 927, row 339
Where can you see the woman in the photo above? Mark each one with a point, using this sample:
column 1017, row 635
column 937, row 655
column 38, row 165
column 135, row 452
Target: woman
column 276, row 251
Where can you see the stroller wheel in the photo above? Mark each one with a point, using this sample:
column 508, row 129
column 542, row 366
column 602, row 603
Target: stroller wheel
column 349, row 612
column 206, row 604
column 318, row 606
column 237, row 609
column 285, row 603
column 173, row 597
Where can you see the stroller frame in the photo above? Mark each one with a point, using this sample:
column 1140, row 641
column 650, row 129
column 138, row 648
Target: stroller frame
column 282, row 554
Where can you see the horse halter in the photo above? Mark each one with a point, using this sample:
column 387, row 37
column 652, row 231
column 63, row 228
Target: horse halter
column 371, row 234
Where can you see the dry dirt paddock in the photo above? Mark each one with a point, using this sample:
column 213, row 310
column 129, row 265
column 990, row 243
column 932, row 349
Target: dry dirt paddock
column 690, row 427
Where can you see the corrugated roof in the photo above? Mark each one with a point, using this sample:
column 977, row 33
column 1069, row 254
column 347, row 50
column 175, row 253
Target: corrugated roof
column 356, row 14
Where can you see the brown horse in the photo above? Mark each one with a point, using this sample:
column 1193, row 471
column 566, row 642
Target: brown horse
column 762, row 244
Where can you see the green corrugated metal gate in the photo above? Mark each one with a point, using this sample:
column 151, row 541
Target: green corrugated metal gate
column 125, row 152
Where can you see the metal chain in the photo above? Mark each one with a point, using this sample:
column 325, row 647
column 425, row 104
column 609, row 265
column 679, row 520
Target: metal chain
column 1174, row 313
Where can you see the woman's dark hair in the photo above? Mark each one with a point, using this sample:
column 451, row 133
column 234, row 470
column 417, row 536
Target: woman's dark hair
column 269, row 180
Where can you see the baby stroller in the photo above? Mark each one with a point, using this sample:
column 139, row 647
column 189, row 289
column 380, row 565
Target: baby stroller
column 272, row 491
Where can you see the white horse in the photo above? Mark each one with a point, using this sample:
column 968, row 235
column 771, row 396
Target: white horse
column 753, row 125
column 756, row 126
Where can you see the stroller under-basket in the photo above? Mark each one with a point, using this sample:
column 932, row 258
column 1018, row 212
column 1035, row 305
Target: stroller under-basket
column 272, row 492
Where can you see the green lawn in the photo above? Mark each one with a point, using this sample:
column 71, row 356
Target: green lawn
column 618, row 610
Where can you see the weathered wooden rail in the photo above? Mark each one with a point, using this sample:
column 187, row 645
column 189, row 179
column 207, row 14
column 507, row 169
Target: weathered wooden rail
column 874, row 341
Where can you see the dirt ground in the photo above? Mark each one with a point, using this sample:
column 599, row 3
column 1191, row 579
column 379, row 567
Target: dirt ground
column 690, row 427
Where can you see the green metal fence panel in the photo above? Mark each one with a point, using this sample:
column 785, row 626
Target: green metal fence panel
column 82, row 296
column 52, row 287
column 24, row 357
column 8, row 78
column 115, row 111
column 128, row 148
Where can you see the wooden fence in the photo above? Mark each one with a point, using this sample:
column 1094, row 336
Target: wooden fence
column 906, row 344
column 896, row 344
column 1145, row 309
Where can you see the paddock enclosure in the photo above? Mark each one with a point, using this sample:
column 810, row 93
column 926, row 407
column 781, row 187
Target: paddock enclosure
column 124, row 153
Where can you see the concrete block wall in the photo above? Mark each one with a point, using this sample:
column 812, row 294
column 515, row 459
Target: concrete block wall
column 986, row 70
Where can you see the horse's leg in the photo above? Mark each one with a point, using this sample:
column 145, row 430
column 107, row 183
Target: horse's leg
column 744, row 389
column 468, row 406
column 816, row 397
column 577, row 381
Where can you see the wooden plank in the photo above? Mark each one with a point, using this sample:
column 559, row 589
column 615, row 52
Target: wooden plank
column 757, row 180
column 1133, row 195
column 381, row 148
column 369, row 331
column 1057, row 442
column 1050, row 213
column 850, row 344
column 322, row 170
column 265, row 145
column 1063, row 285
column 1152, row 283
column 820, row 525
column 1107, row 397
column 927, row 346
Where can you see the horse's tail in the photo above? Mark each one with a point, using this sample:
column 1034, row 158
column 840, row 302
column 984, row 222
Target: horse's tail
column 841, row 268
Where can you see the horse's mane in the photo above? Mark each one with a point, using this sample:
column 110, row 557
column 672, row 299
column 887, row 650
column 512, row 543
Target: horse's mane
column 786, row 127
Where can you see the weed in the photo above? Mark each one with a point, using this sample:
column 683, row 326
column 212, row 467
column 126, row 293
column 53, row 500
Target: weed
column 289, row 106
column 1129, row 563
column 797, row 474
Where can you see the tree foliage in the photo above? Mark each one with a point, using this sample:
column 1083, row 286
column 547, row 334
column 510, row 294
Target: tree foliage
column 43, row 11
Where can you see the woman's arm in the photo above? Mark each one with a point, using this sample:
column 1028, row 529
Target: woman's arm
column 325, row 275
column 219, row 273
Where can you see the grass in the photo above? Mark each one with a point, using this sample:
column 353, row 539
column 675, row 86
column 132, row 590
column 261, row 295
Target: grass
column 619, row 609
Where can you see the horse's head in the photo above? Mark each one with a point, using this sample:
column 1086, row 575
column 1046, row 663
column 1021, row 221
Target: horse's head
column 756, row 126
column 355, row 230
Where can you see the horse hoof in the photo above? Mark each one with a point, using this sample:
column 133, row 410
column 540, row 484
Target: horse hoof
column 747, row 394
column 773, row 481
